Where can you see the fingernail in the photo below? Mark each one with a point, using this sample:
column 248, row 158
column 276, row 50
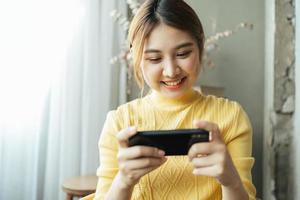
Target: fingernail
column 132, row 128
column 210, row 136
column 161, row 153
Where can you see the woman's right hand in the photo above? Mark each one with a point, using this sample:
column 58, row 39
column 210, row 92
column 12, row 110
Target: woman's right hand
column 136, row 161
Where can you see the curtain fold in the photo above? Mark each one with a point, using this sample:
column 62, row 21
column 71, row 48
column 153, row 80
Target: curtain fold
column 60, row 139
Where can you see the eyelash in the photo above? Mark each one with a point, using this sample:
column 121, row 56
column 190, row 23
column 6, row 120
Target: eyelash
column 154, row 60
column 184, row 54
column 180, row 55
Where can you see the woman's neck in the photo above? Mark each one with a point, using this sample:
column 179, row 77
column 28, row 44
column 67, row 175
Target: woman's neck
column 187, row 98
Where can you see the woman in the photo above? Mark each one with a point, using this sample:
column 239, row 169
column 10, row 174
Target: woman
column 167, row 42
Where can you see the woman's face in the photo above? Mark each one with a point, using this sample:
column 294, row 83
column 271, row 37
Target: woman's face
column 170, row 63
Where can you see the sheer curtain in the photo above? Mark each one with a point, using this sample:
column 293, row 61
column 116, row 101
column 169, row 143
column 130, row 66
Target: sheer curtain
column 56, row 86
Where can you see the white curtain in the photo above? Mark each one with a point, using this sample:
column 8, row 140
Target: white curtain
column 57, row 85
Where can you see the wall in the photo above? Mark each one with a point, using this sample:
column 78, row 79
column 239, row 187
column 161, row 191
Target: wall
column 279, row 151
column 297, row 108
column 239, row 62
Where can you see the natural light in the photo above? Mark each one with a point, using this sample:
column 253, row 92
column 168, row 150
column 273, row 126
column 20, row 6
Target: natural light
column 34, row 39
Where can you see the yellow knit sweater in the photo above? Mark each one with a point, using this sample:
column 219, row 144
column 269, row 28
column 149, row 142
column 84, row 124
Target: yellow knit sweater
column 174, row 179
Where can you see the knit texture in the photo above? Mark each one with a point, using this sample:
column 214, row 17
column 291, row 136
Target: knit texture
column 174, row 179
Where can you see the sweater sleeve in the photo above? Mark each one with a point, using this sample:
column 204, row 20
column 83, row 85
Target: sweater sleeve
column 108, row 148
column 240, row 149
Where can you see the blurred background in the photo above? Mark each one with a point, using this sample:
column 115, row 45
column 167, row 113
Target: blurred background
column 58, row 81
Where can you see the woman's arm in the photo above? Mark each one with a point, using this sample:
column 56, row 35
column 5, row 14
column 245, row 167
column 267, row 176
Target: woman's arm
column 234, row 192
column 119, row 190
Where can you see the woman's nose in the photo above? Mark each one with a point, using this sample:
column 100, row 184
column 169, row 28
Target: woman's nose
column 171, row 69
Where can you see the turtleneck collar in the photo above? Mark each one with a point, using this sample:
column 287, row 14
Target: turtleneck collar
column 188, row 98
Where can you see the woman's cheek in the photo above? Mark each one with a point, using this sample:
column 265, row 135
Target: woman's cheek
column 190, row 66
column 151, row 73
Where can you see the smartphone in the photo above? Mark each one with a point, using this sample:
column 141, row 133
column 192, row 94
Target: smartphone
column 173, row 142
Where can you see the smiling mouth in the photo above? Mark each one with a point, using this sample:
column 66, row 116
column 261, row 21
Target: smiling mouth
column 175, row 83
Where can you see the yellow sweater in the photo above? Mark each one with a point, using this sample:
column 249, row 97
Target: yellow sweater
column 174, row 179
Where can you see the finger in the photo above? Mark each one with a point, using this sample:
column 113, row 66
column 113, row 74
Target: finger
column 209, row 126
column 141, row 172
column 140, row 151
column 206, row 148
column 214, row 132
column 211, row 171
column 124, row 135
column 201, row 148
column 149, row 169
column 144, row 163
column 205, row 161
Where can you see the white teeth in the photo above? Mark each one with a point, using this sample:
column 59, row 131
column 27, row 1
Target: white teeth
column 173, row 83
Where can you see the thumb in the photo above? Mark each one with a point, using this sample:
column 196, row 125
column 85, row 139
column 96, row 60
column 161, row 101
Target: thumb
column 212, row 128
column 124, row 135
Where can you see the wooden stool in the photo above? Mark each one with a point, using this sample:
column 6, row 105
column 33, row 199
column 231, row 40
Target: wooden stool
column 79, row 186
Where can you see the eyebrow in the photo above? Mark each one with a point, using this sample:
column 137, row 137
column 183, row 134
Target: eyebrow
column 187, row 44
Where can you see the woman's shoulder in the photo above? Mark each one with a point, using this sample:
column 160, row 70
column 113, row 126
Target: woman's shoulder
column 127, row 113
column 228, row 114
column 131, row 105
column 219, row 102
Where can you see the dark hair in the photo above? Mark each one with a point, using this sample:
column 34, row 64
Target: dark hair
column 175, row 13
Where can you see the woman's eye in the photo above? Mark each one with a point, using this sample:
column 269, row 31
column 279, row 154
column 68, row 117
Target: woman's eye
column 183, row 54
column 154, row 60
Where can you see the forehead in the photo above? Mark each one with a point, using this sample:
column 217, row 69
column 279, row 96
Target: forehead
column 167, row 37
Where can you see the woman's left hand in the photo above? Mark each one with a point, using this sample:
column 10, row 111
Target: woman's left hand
column 212, row 158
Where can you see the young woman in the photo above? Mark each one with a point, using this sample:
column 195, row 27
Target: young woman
column 167, row 42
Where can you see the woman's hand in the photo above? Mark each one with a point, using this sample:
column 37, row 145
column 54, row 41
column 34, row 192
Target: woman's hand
column 136, row 161
column 212, row 158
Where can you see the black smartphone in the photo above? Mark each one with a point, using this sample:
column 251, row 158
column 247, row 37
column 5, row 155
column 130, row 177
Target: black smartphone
column 173, row 142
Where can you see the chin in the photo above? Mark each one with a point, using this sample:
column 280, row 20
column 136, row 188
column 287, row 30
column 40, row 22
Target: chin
column 173, row 94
